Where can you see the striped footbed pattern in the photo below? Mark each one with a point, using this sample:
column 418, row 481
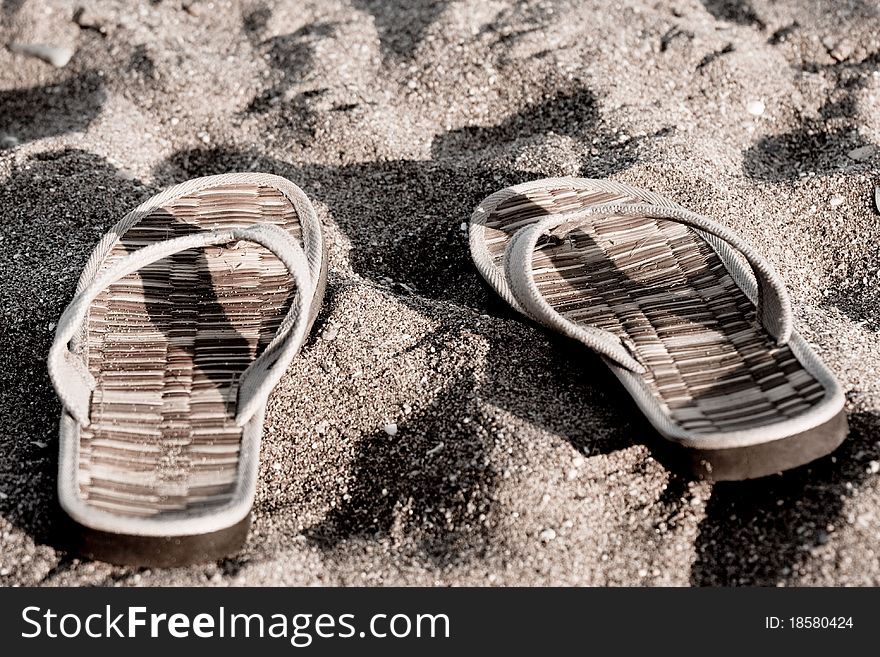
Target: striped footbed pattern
column 661, row 289
column 167, row 345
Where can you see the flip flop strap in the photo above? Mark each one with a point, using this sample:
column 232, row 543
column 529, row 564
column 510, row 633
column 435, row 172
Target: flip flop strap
column 773, row 303
column 69, row 373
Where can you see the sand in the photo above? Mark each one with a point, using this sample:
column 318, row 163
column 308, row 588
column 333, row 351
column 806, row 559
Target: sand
column 518, row 459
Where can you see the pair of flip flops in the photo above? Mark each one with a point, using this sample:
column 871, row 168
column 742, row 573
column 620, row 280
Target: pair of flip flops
column 191, row 308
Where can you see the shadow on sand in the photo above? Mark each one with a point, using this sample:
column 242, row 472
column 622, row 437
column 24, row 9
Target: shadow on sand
column 820, row 145
column 50, row 110
column 51, row 225
column 758, row 533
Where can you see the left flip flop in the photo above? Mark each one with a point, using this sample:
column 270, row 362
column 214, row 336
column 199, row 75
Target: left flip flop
column 185, row 318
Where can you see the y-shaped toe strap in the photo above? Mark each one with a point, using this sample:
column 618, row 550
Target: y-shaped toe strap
column 71, row 377
column 774, row 305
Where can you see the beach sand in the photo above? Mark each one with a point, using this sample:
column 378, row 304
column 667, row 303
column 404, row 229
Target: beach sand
column 518, row 459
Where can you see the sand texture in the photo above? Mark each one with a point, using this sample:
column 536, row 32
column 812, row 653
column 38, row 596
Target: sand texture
column 518, row 459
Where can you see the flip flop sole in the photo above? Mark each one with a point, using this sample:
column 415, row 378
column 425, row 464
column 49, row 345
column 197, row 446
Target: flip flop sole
column 156, row 551
column 753, row 461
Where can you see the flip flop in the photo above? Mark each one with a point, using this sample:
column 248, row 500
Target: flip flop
column 691, row 319
column 185, row 318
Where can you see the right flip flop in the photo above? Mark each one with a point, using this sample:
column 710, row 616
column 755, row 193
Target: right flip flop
column 692, row 320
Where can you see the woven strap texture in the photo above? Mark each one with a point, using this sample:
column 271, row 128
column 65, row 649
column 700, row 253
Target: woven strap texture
column 68, row 371
column 773, row 304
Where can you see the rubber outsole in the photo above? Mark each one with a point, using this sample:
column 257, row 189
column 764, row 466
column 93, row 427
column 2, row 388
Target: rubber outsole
column 156, row 551
column 760, row 460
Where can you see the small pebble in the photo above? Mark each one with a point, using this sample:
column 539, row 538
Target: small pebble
column 436, row 449
column 58, row 57
column 391, row 429
column 88, row 19
column 874, row 467
column 192, row 8
column 8, row 141
column 548, row 535
column 862, row 153
column 329, row 334
column 836, row 201
column 3, row 496
column 829, row 42
column 755, row 107
column 843, row 50
column 463, row 227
